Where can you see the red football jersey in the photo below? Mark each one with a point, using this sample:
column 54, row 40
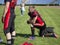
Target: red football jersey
column 34, row 14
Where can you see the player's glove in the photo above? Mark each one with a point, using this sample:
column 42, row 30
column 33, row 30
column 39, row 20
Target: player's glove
column 28, row 22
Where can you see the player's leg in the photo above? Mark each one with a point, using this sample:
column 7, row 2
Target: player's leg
column 55, row 35
column 50, row 33
column 21, row 11
column 7, row 31
column 32, row 33
column 8, row 36
column 41, row 33
column 12, row 31
column 42, row 30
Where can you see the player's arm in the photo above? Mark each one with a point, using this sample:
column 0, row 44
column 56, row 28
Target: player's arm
column 36, row 24
column 6, row 9
column 34, row 19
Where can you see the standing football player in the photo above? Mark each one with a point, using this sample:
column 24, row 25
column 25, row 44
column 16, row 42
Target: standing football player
column 8, row 21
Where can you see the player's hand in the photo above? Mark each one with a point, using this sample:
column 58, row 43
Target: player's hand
column 3, row 18
column 28, row 22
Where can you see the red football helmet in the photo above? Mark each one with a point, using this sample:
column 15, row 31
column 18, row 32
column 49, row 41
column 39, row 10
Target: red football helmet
column 26, row 43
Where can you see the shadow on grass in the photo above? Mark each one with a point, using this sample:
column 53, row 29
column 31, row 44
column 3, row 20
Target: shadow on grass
column 24, row 35
column 49, row 29
column 2, row 43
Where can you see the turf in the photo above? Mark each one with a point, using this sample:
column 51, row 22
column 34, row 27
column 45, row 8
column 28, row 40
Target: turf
column 51, row 17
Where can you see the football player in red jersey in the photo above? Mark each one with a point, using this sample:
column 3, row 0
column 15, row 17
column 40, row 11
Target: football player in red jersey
column 8, row 20
column 36, row 21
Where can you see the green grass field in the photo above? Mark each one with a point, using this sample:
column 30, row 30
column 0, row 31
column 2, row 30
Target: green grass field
column 51, row 17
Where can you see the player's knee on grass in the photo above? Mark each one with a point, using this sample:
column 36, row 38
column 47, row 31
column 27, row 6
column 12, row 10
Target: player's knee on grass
column 42, row 30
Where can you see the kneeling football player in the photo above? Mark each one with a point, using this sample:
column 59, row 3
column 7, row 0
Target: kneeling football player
column 36, row 21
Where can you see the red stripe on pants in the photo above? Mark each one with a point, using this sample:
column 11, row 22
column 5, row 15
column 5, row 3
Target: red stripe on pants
column 7, row 18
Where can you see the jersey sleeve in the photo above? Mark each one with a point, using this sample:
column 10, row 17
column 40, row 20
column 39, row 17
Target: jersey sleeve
column 35, row 14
